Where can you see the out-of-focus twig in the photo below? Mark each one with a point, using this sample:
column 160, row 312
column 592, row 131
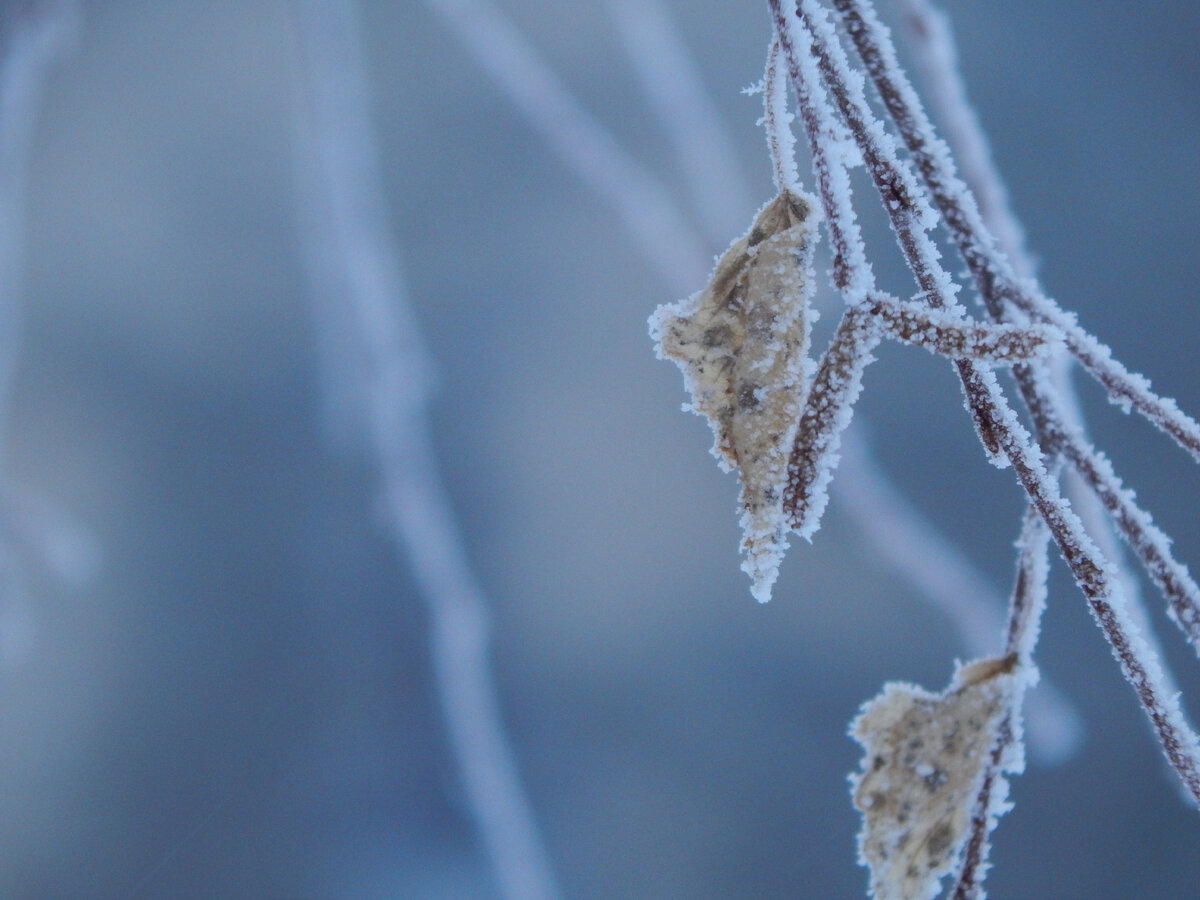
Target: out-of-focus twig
column 34, row 36
column 589, row 149
column 355, row 271
column 675, row 89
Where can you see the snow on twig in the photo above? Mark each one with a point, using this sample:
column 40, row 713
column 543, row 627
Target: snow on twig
column 777, row 120
column 1126, row 389
column 957, row 337
column 1101, row 588
column 935, row 55
column 354, row 261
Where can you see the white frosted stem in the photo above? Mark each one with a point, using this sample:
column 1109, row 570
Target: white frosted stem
column 905, row 540
column 928, row 31
column 1056, row 417
column 354, row 260
column 992, row 271
column 777, row 120
column 934, row 53
column 936, row 57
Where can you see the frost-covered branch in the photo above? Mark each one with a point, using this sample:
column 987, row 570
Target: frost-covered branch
column 1149, row 544
column 996, row 282
column 354, row 265
column 777, row 122
column 931, row 38
column 1003, row 435
column 993, row 275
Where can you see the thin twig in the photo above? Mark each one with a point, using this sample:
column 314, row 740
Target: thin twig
column 1025, row 612
column 347, row 233
column 781, row 143
column 934, row 53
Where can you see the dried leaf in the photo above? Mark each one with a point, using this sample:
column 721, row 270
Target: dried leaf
column 926, row 756
column 742, row 344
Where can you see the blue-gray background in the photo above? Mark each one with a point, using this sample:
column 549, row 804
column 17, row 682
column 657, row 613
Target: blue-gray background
column 238, row 704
